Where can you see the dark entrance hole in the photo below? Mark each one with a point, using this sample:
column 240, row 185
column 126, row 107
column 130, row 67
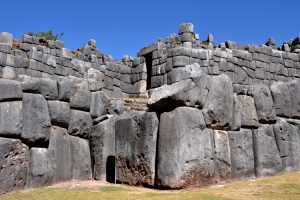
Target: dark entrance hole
column 110, row 169
column 148, row 58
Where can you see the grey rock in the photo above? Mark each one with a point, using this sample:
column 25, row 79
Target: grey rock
column 264, row 104
column 11, row 118
column 92, row 43
column 94, row 79
column 136, row 137
column 116, row 107
column 237, row 120
column 80, row 123
column 185, row 150
column 247, row 111
column 241, row 151
column 14, row 158
column 102, row 144
column 230, row 44
column 10, row 90
column 80, row 95
column 64, row 89
column 282, row 98
column 267, row 158
column 294, row 87
column 44, row 86
column 36, row 119
column 8, row 72
column 60, row 154
column 6, row 38
column 218, row 108
column 39, row 172
column 186, row 28
column 222, row 155
column 100, row 103
column 80, row 159
column 59, row 113
column 288, row 142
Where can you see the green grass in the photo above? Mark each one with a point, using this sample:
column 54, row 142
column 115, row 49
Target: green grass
column 281, row 187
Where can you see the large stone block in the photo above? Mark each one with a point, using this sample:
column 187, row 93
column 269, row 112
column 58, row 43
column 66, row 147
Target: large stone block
column 237, row 121
column 102, row 144
column 80, row 94
column 282, row 98
column 94, row 79
column 99, row 104
column 40, row 172
column 248, row 112
column 294, row 87
column 80, row 123
column 36, row 119
column 218, row 108
column 64, row 89
column 60, row 154
column 6, row 38
column 185, row 154
column 14, row 158
column 222, row 155
column 288, row 142
column 241, row 151
column 267, row 158
column 43, row 86
column 11, row 118
column 136, row 137
column 80, row 159
column 191, row 92
column 10, row 90
column 264, row 104
column 59, row 113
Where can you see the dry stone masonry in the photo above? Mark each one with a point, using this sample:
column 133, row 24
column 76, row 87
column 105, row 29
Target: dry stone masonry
column 183, row 113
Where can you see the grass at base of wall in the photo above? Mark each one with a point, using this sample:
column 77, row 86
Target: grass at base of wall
column 285, row 186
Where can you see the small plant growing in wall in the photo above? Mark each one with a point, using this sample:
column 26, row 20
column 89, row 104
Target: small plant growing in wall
column 48, row 35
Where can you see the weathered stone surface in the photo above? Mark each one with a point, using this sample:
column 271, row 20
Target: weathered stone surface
column 14, row 158
column 60, row 154
column 294, row 87
column 288, row 142
column 43, row 86
column 64, row 89
column 10, row 90
column 102, row 144
column 11, row 118
column 59, row 113
column 116, row 107
column 36, row 120
column 267, row 158
column 40, row 172
column 264, row 104
column 218, row 108
column 282, row 99
column 237, row 121
column 6, row 38
column 80, row 123
column 247, row 111
column 222, row 155
column 94, row 79
column 136, row 137
column 241, row 151
column 80, row 159
column 185, row 150
column 99, row 104
column 80, row 95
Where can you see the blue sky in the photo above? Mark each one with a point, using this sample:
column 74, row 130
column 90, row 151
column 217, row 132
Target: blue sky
column 123, row 27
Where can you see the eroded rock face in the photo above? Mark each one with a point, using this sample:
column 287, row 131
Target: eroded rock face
column 264, row 103
column 241, row 151
column 102, row 144
column 80, row 94
column 80, row 123
column 288, row 141
column 267, row 157
column 247, row 111
column 218, row 108
column 14, row 161
column 185, row 150
column 10, row 90
column 136, row 137
column 11, row 119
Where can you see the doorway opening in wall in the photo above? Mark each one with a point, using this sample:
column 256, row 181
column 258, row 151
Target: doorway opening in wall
column 148, row 60
column 110, row 169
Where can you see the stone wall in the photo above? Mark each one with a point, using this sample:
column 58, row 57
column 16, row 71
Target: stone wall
column 214, row 113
